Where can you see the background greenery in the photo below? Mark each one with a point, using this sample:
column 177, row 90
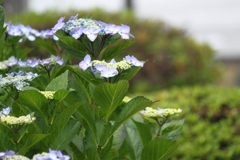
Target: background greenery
column 173, row 57
column 212, row 126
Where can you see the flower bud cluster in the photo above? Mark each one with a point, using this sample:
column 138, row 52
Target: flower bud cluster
column 109, row 69
column 17, row 120
column 17, row 79
column 48, row 94
column 15, row 157
column 160, row 112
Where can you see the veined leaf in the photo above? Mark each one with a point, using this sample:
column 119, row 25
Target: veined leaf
column 73, row 46
column 74, row 152
column 92, row 154
column 70, row 129
column 144, row 132
column 172, row 130
column 158, row 149
column 60, row 82
column 108, row 96
column 31, row 141
column 59, row 126
column 114, row 49
column 132, row 107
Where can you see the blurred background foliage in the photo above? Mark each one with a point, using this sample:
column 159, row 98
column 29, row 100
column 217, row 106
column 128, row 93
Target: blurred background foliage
column 211, row 129
column 173, row 57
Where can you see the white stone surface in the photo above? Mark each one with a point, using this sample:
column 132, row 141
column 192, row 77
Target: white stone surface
column 216, row 22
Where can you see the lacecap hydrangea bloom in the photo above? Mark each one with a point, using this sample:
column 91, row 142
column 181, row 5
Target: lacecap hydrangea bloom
column 91, row 28
column 160, row 112
column 109, row 69
column 17, row 79
column 48, row 94
column 12, row 61
column 52, row 155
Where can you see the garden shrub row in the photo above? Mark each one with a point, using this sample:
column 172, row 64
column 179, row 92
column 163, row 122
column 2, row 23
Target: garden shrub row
column 173, row 56
column 212, row 125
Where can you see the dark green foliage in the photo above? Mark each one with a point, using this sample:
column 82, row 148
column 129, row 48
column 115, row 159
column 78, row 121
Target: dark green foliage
column 173, row 57
column 212, row 126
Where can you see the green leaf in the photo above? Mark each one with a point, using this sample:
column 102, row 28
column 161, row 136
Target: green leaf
column 86, row 113
column 66, row 135
column 2, row 14
column 172, row 130
column 131, row 73
column 75, row 153
column 113, row 50
column 37, row 103
column 144, row 132
column 31, row 141
column 158, row 149
column 45, row 44
column 92, row 154
column 59, row 126
column 61, row 94
column 40, row 82
column 108, row 96
column 73, row 46
column 60, row 34
column 118, row 137
column 6, row 134
column 60, row 82
column 121, row 158
column 132, row 107
column 84, row 75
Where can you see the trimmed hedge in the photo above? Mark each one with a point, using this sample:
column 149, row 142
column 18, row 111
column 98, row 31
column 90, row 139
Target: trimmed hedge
column 212, row 126
column 173, row 57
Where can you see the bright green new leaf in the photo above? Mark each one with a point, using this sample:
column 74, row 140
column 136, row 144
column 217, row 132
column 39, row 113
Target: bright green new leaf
column 108, row 96
column 60, row 82
column 158, row 149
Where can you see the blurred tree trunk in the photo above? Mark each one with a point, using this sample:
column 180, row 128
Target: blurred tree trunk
column 129, row 4
column 14, row 6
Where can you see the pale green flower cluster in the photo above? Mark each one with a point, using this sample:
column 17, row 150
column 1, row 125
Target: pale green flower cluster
column 160, row 112
column 15, row 157
column 126, row 99
column 81, row 22
column 122, row 65
column 44, row 154
column 48, row 94
column 17, row 120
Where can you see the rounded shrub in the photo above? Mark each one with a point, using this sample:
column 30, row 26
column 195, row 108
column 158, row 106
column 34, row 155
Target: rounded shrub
column 212, row 126
column 173, row 56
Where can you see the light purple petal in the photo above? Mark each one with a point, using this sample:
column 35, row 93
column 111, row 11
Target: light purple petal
column 85, row 63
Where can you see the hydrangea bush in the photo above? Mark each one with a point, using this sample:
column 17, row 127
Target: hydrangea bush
column 77, row 111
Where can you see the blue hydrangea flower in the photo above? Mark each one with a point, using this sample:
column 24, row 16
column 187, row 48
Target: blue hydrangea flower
column 91, row 33
column 85, row 63
column 76, row 32
column 133, row 60
column 6, row 111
